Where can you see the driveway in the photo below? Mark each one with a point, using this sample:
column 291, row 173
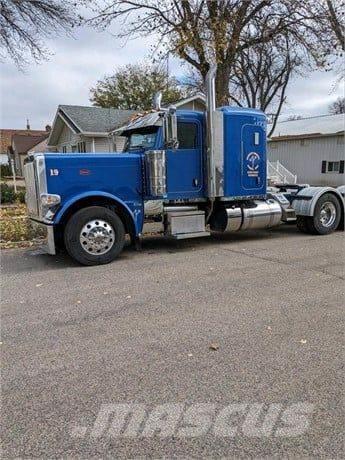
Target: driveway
column 202, row 348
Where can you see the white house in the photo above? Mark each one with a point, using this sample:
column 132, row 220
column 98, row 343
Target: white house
column 312, row 148
column 87, row 129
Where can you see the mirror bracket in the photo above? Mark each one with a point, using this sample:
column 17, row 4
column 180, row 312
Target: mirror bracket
column 170, row 128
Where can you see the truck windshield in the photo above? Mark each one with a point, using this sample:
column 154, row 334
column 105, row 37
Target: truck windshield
column 143, row 139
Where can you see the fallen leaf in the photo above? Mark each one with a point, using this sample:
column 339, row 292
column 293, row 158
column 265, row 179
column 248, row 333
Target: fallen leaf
column 303, row 341
column 214, row 346
column 129, row 297
column 269, row 328
column 78, row 301
column 105, row 293
column 39, row 285
column 190, row 354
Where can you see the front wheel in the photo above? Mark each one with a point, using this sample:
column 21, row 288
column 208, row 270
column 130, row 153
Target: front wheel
column 94, row 236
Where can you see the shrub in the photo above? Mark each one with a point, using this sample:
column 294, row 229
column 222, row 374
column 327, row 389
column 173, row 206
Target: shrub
column 7, row 194
column 20, row 196
column 5, row 170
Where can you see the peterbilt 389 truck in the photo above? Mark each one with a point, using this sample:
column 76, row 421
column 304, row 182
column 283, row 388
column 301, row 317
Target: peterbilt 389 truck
column 192, row 173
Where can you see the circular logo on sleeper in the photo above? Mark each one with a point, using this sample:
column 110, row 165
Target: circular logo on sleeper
column 253, row 160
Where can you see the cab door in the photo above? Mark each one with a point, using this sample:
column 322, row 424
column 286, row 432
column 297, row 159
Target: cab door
column 184, row 164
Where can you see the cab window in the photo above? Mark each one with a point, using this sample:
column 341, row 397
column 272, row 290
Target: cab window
column 143, row 139
column 187, row 135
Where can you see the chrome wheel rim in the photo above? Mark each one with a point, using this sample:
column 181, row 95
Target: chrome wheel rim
column 97, row 237
column 328, row 214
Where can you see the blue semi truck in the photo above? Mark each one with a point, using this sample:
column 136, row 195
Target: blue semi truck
column 191, row 173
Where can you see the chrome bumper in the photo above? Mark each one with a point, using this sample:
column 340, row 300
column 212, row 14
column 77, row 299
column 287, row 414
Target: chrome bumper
column 51, row 249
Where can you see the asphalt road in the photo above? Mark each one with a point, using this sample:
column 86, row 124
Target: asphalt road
column 139, row 331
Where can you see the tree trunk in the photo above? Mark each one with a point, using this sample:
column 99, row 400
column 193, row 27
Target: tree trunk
column 222, row 86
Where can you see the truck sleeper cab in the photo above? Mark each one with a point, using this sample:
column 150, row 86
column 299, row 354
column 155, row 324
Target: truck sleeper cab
column 190, row 173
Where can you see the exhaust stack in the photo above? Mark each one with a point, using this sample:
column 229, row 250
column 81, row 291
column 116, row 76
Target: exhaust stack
column 157, row 100
column 211, row 107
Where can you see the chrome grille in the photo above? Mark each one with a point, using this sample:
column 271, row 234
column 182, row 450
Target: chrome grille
column 31, row 187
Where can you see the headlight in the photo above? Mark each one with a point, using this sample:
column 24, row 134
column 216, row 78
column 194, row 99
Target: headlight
column 49, row 205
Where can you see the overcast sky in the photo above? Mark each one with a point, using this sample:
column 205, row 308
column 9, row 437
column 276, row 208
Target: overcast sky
column 77, row 63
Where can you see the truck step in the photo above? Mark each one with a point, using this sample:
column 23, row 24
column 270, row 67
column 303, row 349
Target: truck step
column 184, row 236
column 288, row 215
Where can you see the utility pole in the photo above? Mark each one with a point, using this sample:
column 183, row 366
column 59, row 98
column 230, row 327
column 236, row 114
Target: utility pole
column 14, row 175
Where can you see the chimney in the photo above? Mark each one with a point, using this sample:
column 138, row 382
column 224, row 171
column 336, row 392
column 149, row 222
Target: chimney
column 27, row 124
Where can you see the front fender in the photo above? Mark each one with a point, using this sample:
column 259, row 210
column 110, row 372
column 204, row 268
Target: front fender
column 135, row 210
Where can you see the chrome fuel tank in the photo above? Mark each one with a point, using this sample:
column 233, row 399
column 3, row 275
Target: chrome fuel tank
column 260, row 214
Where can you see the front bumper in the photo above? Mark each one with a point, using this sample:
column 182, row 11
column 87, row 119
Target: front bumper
column 49, row 247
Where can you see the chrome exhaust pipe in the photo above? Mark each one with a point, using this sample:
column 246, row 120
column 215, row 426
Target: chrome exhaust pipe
column 211, row 107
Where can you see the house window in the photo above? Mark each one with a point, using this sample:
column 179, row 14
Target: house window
column 187, row 135
column 81, row 147
column 64, row 149
column 333, row 167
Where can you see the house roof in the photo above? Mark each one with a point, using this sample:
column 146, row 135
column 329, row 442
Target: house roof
column 308, row 127
column 6, row 136
column 41, row 146
column 21, row 143
column 87, row 120
column 197, row 97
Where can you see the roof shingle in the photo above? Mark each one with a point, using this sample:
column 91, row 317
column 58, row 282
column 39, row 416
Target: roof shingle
column 96, row 119
column 6, row 136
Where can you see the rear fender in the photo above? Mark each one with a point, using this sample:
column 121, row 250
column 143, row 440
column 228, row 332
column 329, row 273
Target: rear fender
column 304, row 204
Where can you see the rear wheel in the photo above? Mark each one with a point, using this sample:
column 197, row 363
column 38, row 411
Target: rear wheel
column 94, row 235
column 326, row 218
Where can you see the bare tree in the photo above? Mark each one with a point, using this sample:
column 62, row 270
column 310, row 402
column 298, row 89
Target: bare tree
column 261, row 76
column 335, row 13
column 24, row 24
column 202, row 32
column 337, row 106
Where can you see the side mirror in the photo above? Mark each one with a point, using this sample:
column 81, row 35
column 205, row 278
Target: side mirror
column 170, row 129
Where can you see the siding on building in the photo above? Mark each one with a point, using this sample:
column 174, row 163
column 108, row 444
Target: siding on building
column 304, row 157
column 193, row 105
column 67, row 139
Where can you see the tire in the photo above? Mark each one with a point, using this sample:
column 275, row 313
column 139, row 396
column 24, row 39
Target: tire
column 327, row 215
column 302, row 224
column 94, row 236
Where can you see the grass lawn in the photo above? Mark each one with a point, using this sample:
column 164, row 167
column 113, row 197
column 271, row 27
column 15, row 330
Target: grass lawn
column 16, row 230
